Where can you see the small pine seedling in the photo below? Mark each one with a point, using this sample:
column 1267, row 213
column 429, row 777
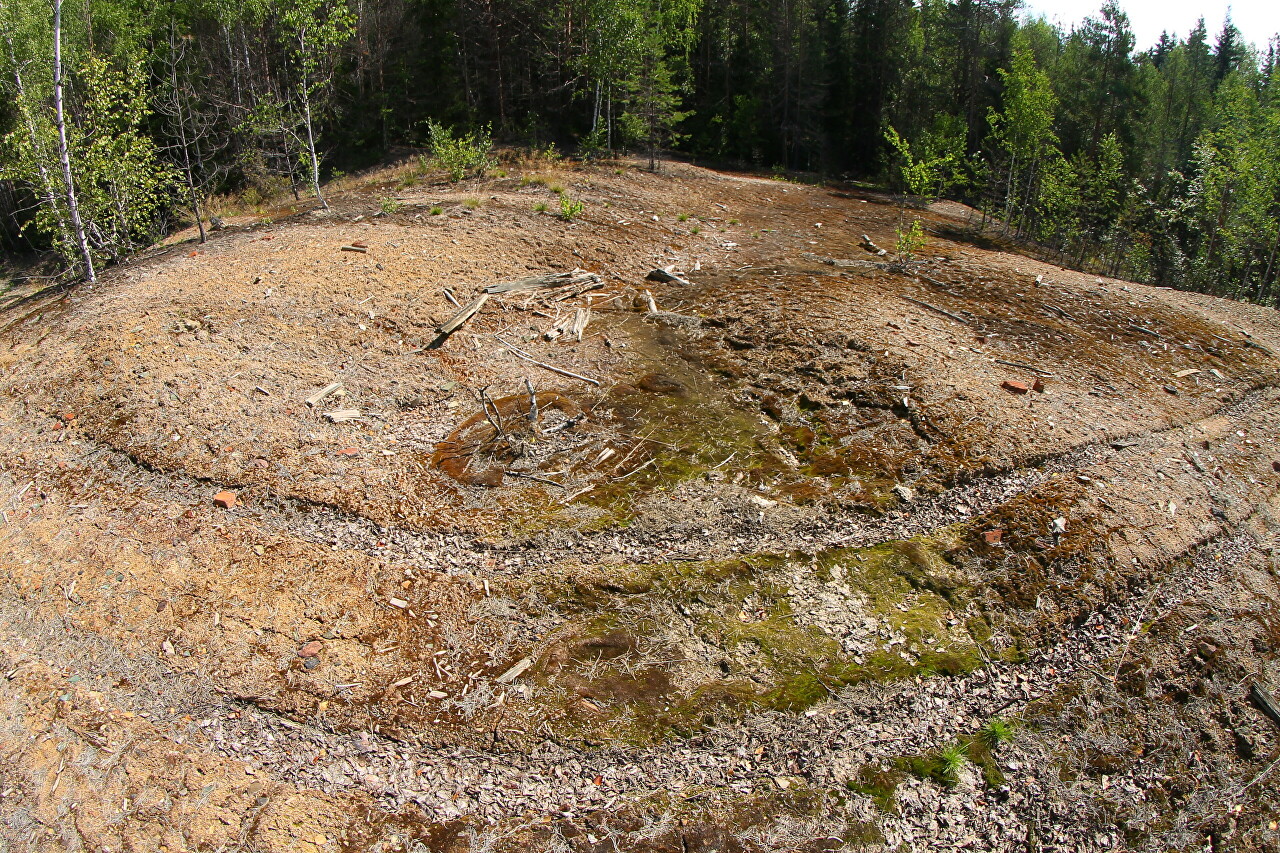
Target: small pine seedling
column 996, row 732
column 952, row 759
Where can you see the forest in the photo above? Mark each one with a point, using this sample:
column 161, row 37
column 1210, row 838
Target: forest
column 121, row 119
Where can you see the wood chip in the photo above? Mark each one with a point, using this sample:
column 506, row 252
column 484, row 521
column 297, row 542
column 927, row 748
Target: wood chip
column 515, row 671
column 338, row 416
column 353, row 248
column 398, row 602
column 316, row 398
column 1183, row 374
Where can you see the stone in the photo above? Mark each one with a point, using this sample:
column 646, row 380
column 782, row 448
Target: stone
column 1015, row 387
column 992, row 537
column 226, row 500
column 1038, row 386
column 310, row 649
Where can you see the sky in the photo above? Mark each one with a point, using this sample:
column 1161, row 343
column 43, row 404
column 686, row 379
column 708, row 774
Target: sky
column 1257, row 20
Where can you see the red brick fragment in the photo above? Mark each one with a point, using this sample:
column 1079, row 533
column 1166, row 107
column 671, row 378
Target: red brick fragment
column 349, row 451
column 226, row 500
column 310, row 649
column 992, row 537
column 1015, row 387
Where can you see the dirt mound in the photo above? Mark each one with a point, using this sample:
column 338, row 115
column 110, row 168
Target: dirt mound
column 809, row 549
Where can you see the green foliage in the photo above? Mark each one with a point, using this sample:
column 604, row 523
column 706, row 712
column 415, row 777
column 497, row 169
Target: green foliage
column 925, row 176
column 910, row 241
column 436, row 210
column 469, row 155
column 995, row 733
column 570, row 208
column 540, row 207
column 471, row 203
column 389, row 205
column 121, row 185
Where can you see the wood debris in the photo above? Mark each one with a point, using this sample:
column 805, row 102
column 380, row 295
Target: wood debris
column 338, row 416
column 519, row 353
column 459, row 319
column 1265, row 702
column 515, row 671
column 355, row 248
column 316, row 398
column 666, row 276
column 578, row 278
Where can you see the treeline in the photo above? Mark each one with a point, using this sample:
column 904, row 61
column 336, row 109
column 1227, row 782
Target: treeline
column 1162, row 166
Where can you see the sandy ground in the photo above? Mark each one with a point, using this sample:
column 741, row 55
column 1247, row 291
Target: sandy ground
column 732, row 572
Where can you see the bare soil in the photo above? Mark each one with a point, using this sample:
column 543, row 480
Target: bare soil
column 754, row 568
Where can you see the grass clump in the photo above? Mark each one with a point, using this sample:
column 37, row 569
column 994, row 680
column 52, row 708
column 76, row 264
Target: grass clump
column 683, row 217
column 471, row 203
column 436, row 210
column 540, row 207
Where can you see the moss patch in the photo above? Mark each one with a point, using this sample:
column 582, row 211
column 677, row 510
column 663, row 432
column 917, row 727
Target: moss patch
column 675, row 647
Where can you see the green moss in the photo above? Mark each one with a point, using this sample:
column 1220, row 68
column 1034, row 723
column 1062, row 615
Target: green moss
column 880, row 783
column 772, row 659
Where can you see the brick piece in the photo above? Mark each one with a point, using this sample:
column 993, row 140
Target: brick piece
column 1015, row 387
column 226, row 500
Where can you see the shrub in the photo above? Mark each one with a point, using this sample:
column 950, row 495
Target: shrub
column 461, row 156
column 569, row 208
column 390, row 204
column 910, row 241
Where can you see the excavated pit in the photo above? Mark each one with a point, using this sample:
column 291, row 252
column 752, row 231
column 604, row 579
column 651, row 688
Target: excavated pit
column 815, row 552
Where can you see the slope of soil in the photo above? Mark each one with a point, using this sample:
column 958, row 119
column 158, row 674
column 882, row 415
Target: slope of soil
column 814, row 552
